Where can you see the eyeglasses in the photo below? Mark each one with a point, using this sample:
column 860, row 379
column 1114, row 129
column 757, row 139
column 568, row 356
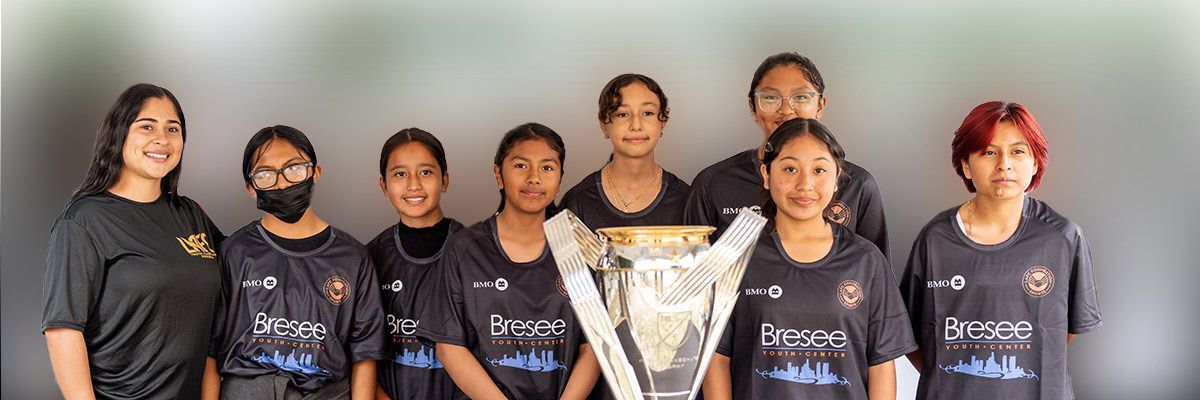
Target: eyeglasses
column 294, row 173
column 770, row 102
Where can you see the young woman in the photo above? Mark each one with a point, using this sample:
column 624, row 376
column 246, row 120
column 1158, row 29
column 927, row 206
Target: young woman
column 631, row 189
column 785, row 86
column 299, row 313
column 413, row 176
column 503, row 324
column 131, row 274
column 819, row 315
column 998, row 286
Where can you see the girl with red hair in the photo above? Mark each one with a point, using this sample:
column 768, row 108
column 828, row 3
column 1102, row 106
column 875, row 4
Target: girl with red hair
column 997, row 287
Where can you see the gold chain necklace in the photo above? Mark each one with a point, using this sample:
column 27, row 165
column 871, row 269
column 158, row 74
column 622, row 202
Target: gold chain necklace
column 620, row 199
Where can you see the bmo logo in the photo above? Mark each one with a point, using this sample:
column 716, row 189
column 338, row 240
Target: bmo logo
column 268, row 283
column 500, row 284
column 773, row 292
column 395, row 286
column 956, row 282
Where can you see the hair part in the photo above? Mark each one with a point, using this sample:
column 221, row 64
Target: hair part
column 610, row 96
column 256, row 146
column 786, row 133
column 806, row 66
column 108, row 151
column 526, row 132
column 978, row 128
column 413, row 135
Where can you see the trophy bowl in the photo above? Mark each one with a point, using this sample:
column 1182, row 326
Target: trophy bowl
column 652, row 300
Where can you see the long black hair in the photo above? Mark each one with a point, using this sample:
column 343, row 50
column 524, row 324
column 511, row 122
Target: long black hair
column 107, row 155
column 413, row 135
column 530, row 131
column 264, row 135
column 787, row 132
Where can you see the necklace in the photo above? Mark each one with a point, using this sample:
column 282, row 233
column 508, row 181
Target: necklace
column 970, row 219
column 624, row 206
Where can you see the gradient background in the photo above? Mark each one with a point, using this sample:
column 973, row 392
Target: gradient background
column 1113, row 84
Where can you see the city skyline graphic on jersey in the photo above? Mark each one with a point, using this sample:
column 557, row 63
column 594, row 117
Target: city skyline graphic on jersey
column 422, row 358
column 805, row 374
column 530, row 362
column 302, row 363
column 1007, row 368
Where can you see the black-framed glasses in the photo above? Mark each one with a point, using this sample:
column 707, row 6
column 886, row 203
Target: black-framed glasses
column 294, row 173
column 770, row 102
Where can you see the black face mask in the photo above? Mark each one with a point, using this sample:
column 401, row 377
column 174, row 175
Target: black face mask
column 286, row 204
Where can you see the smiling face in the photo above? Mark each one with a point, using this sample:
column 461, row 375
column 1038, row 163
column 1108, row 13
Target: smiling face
column 785, row 81
column 154, row 143
column 634, row 128
column 802, row 180
column 414, row 184
column 1005, row 167
column 529, row 176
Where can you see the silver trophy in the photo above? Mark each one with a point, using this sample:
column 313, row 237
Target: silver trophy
column 666, row 298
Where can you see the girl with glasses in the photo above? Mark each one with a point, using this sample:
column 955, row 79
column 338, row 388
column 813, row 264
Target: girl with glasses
column 298, row 315
column 785, row 86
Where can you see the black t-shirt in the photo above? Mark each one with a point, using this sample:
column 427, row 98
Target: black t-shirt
column 514, row 317
column 811, row 330
column 307, row 316
column 720, row 190
column 411, row 369
column 588, row 201
column 992, row 320
column 140, row 281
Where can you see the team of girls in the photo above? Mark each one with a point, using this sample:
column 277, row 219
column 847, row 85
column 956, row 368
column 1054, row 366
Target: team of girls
column 290, row 307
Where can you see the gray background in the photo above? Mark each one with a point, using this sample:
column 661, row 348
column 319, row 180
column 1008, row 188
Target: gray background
column 1113, row 84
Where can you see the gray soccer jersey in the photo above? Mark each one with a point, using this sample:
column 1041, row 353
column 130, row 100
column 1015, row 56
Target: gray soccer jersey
column 992, row 320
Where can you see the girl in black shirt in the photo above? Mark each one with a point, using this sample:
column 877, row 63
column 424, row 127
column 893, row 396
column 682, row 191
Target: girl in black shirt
column 299, row 313
column 819, row 314
column 131, row 274
column 503, row 324
column 413, row 176
column 631, row 189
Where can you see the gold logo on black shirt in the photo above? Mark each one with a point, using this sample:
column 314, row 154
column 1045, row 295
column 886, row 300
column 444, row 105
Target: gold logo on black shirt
column 337, row 290
column 1037, row 281
column 197, row 246
column 850, row 294
column 838, row 212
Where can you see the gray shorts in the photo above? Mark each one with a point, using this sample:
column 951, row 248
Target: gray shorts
column 277, row 387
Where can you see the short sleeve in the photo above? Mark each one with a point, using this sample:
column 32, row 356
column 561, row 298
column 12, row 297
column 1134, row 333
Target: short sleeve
column 1083, row 303
column 912, row 288
column 871, row 224
column 74, row 277
column 725, row 345
column 367, row 331
column 443, row 319
column 889, row 331
column 220, row 325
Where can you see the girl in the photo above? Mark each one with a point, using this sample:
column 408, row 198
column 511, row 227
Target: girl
column 631, row 189
column 503, row 324
column 785, row 86
column 998, row 286
column 413, row 176
column 131, row 274
column 819, row 316
column 299, row 314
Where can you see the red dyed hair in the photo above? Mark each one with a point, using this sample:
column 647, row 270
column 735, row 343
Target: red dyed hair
column 978, row 128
